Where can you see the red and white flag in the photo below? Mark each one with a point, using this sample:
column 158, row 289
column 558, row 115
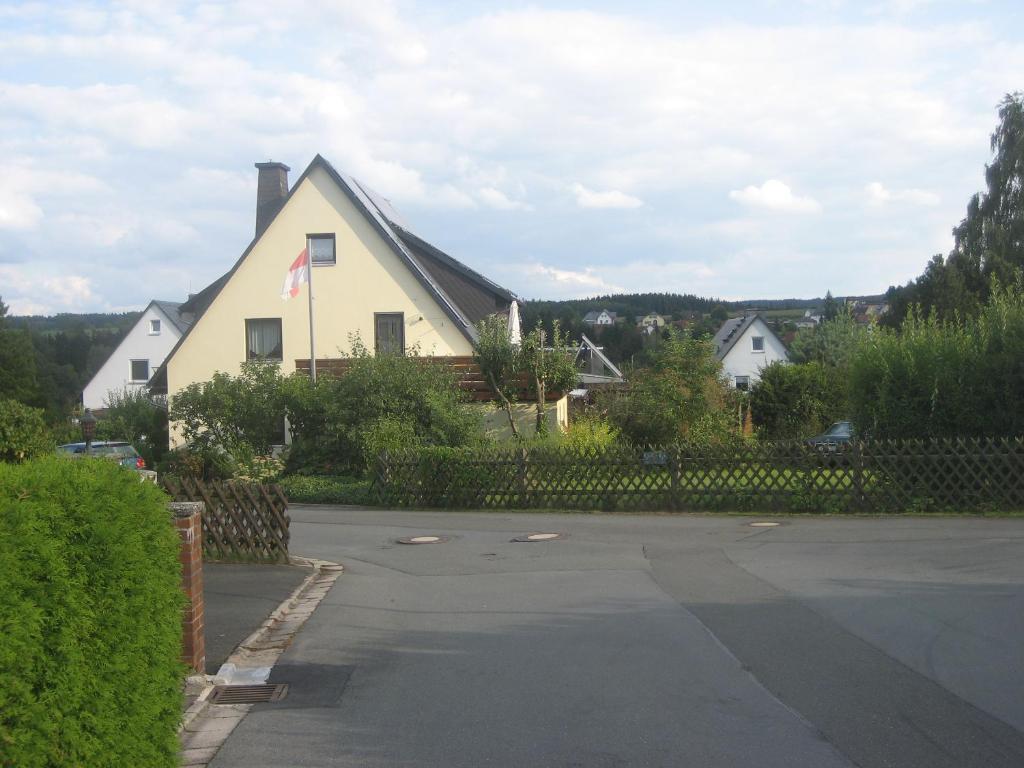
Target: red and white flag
column 298, row 274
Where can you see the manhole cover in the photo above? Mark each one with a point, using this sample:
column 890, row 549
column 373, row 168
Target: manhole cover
column 423, row 540
column 248, row 694
column 530, row 537
column 765, row 524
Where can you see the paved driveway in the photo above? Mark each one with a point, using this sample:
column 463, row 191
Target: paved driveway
column 652, row 641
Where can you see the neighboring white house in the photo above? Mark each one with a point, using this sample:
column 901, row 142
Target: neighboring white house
column 746, row 345
column 139, row 354
column 604, row 317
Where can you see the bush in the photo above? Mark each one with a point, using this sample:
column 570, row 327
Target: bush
column 382, row 401
column 234, row 413
column 798, row 401
column 133, row 415
column 326, row 489
column 680, row 395
column 207, row 463
column 590, row 432
column 23, row 432
column 945, row 378
column 90, row 670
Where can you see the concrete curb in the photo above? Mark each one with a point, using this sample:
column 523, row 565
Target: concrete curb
column 205, row 728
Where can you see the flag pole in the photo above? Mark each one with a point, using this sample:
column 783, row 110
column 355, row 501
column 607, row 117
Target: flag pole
column 312, row 342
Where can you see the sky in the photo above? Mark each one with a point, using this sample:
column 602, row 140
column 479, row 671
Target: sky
column 736, row 149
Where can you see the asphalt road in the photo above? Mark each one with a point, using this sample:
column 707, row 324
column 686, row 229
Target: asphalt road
column 652, row 641
column 238, row 597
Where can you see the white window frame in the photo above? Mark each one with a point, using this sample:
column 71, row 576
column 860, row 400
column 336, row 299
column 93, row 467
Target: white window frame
column 745, row 380
column 154, row 327
column 753, row 344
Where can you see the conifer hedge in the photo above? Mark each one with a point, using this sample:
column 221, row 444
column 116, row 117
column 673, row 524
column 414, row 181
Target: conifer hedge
column 90, row 617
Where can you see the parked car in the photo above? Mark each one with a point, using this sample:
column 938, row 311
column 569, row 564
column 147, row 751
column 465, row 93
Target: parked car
column 835, row 438
column 121, row 451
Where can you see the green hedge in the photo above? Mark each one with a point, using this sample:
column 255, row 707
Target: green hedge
column 23, row 433
column 90, row 617
column 326, row 489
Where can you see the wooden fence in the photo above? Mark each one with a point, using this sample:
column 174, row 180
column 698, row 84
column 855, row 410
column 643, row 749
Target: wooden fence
column 879, row 476
column 241, row 521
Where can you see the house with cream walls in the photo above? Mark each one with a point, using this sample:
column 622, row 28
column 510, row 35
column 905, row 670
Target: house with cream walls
column 143, row 349
column 745, row 346
column 371, row 277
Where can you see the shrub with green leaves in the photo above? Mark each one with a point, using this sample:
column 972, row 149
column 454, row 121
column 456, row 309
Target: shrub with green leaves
column 798, row 401
column 136, row 416
column 945, row 378
column 90, row 620
column 23, row 432
column 680, row 394
column 326, row 489
column 381, row 402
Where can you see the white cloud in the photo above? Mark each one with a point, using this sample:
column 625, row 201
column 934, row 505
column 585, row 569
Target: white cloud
column 495, row 198
column 878, row 195
column 612, row 198
column 18, row 210
column 443, row 112
column 776, row 196
column 552, row 281
column 29, row 292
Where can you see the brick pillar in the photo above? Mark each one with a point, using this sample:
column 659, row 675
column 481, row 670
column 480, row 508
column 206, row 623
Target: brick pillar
column 188, row 519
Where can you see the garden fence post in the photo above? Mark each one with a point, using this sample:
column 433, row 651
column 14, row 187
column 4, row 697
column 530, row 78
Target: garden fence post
column 188, row 520
column 521, row 459
column 859, row 499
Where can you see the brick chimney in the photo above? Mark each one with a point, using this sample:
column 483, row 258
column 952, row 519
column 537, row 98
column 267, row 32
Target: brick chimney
column 271, row 189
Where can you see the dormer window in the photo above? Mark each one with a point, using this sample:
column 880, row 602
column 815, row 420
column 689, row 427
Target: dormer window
column 154, row 327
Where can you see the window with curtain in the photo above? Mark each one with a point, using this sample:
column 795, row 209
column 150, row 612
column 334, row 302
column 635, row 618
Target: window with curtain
column 263, row 339
column 321, row 249
column 389, row 333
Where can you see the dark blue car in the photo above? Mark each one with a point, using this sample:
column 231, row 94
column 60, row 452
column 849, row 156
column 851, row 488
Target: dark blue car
column 122, row 452
column 835, row 438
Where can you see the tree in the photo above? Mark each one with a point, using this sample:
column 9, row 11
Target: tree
column 679, row 394
column 832, row 343
column 831, row 309
column 381, row 403
column 549, row 366
column 500, row 363
column 988, row 242
column 797, row 401
column 242, row 414
column 17, row 363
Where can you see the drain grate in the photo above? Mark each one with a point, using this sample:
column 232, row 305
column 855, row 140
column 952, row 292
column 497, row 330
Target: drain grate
column 248, row 694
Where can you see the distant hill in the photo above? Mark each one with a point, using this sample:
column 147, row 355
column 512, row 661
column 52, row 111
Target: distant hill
column 632, row 305
column 66, row 322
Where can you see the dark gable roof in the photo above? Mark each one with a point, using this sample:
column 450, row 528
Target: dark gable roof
column 173, row 311
column 438, row 272
column 476, row 296
column 732, row 330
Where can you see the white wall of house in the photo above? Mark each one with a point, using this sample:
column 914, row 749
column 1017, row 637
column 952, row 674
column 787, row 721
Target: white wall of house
column 141, row 343
column 743, row 360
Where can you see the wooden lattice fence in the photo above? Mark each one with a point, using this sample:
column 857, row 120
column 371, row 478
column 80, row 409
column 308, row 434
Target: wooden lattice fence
column 241, row 521
column 878, row 476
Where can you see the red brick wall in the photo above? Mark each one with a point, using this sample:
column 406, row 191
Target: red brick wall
column 188, row 519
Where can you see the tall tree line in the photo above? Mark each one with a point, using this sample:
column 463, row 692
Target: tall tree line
column 988, row 243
